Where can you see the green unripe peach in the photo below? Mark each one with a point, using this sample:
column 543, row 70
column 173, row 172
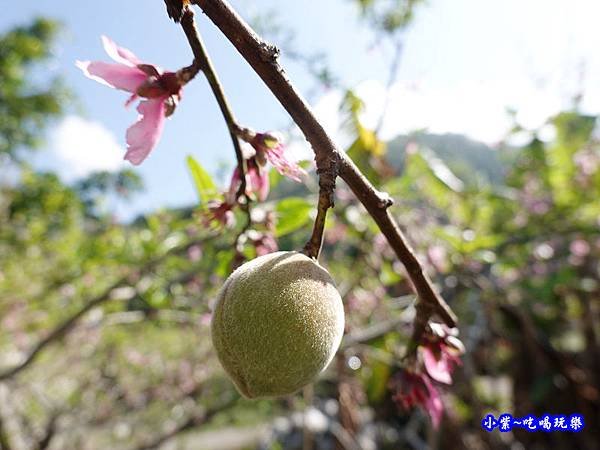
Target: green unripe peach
column 277, row 323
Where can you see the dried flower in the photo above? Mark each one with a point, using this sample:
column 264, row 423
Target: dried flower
column 415, row 389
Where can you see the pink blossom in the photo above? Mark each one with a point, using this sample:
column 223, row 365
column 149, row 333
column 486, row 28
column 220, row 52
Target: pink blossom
column 579, row 247
column 269, row 147
column 257, row 181
column 415, row 386
column 194, row 253
column 439, row 361
column 220, row 212
column 441, row 352
column 205, row 319
column 415, row 389
column 257, row 185
column 587, row 161
column 162, row 91
column 265, row 244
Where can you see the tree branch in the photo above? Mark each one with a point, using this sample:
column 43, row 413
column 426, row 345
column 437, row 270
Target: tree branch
column 366, row 335
column 263, row 58
column 4, row 439
column 540, row 345
column 175, row 9
column 65, row 327
column 192, row 422
column 49, row 432
column 62, row 329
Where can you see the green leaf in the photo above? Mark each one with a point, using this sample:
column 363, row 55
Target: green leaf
column 274, row 178
column 205, row 186
column 573, row 132
column 388, row 275
column 157, row 299
column 378, row 381
column 224, row 260
column 292, row 213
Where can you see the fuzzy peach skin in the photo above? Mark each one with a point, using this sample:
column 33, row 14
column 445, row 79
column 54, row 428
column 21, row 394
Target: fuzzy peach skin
column 278, row 322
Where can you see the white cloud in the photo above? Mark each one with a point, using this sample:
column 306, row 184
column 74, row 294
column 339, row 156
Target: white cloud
column 327, row 112
column 477, row 109
column 82, row 146
column 460, row 75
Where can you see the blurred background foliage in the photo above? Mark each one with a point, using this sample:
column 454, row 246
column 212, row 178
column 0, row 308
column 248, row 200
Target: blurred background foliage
column 104, row 326
column 26, row 107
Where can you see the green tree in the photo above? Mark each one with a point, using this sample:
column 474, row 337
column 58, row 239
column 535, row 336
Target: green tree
column 26, row 107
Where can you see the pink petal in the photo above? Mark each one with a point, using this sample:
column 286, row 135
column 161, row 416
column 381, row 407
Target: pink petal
column 283, row 165
column 258, row 182
column 219, row 212
column 433, row 403
column 438, row 369
column 263, row 186
column 452, row 353
column 113, row 75
column 143, row 135
column 119, row 54
column 234, row 185
column 205, row 319
column 266, row 245
column 132, row 98
column 416, row 389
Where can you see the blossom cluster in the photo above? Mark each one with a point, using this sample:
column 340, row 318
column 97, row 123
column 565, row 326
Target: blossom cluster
column 438, row 356
column 160, row 92
column 257, row 151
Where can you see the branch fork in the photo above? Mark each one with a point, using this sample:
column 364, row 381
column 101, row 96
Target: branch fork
column 327, row 170
column 254, row 50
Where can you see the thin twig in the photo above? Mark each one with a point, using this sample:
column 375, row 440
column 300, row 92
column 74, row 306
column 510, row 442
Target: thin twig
column 203, row 61
column 327, row 169
column 343, row 436
column 263, row 58
column 308, row 437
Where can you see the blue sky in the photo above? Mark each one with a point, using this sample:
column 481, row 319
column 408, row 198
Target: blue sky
column 465, row 61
